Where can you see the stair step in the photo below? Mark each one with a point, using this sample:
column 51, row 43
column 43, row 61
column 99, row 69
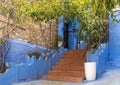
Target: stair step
column 74, row 51
column 65, row 68
column 69, row 64
column 63, row 78
column 62, row 61
column 74, row 56
column 66, row 71
column 70, row 73
column 70, row 60
column 71, row 53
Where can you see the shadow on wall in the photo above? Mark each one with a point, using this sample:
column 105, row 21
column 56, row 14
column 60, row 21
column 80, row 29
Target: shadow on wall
column 23, row 68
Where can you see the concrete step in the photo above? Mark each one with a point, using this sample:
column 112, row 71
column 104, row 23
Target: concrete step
column 63, row 78
column 67, row 68
column 69, row 73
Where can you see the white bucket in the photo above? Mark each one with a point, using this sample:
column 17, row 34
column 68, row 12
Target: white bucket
column 90, row 71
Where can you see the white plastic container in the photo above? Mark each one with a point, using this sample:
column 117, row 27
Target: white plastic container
column 90, row 71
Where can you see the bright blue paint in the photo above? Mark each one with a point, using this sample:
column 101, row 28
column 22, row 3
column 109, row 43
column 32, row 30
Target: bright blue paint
column 24, row 68
column 73, row 37
column 101, row 57
column 109, row 57
column 61, row 27
column 114, row 38
column 10, row 76
column 82, row 44
column 19, row 49
column 72, row 45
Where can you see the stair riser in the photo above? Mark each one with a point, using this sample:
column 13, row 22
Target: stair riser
column 67, row 74
column 72, row 60
column 74, row 57
column 75, row 54
column 69, row 64
column 68, row 69
column 63, row 78
column 76, row 51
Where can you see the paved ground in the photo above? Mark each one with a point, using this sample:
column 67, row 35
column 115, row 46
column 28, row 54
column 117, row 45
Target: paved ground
column 43, row 82
column 111, row 77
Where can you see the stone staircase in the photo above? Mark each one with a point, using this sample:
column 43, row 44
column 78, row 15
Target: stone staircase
column 70, row 68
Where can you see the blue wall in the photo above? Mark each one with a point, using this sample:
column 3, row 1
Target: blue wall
column 19, row 49
column 114, row 40
column 61, row 27
column 73, row 37
column 101, row 57
column 23, row 68
column 109, row 57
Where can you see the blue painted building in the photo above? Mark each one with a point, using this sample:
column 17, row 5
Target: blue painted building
column 73, row 33
column 108, row 54
column 22, row 68
column 114, row 41
column 21, row 65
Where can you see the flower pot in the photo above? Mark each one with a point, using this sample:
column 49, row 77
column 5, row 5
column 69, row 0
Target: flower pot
column 90, row 71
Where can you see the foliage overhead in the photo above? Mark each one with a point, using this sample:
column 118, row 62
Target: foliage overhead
column 92, row 14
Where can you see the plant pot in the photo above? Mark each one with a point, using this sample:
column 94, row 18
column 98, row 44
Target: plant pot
column 90, row 71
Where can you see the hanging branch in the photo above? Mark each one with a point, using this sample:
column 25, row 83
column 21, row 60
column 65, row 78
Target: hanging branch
column 4, row 48
column 11, row 25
